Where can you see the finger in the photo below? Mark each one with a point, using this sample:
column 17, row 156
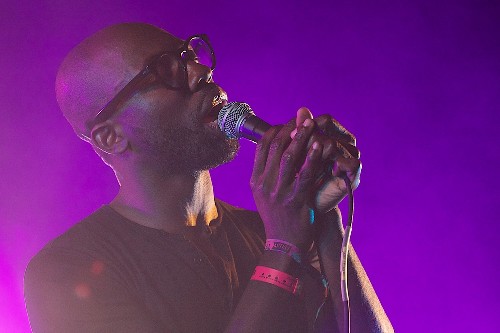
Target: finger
column 261, row 153
column 325, row 123
column 332, row 148
column 336, row 148
column 308, row 173
column 293, row 156
column 351, row 167
column 302, row 114
column 351, row 149
column 333, row 128
column 278, row 145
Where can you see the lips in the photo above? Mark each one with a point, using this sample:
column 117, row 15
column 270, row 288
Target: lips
column 218, row 103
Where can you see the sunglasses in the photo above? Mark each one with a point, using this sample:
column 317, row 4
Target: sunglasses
column 169, row 67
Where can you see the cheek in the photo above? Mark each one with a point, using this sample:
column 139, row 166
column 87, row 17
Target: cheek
column 157, row 114
column 168, row 107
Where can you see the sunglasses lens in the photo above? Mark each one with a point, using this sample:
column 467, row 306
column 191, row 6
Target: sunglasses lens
column 172, row 70
column 202, row 51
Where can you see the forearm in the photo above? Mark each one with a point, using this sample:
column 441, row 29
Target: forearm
column 267, row 308
column 367, row 314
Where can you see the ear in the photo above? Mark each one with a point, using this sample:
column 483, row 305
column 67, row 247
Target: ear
column 109, row 137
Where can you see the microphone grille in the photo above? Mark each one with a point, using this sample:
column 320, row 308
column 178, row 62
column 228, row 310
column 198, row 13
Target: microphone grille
column 231, row 117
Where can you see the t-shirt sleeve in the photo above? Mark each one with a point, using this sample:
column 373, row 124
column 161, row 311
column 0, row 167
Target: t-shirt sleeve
column 68, row 291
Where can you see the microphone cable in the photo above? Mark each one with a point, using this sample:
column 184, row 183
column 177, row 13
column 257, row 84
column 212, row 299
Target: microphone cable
column 344, row 256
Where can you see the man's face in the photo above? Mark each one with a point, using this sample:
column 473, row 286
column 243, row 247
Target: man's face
column 175, row 130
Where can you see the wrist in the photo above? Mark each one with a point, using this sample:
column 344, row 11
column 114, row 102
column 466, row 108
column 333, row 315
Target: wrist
column 281, row 262
column 282, row 280
column 284, row 247
column 302, row 243
column 329, row 227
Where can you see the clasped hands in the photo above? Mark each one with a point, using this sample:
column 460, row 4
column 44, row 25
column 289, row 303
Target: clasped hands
column 289, row 160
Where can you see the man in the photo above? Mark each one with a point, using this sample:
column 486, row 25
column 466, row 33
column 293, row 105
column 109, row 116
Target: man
column 165, row 255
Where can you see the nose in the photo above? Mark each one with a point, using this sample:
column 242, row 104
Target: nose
column 198, row 75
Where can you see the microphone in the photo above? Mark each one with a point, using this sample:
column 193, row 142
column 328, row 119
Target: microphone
column 237, row 120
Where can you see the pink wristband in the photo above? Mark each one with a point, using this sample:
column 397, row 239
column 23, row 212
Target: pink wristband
column 278, row 278
column 284, row 247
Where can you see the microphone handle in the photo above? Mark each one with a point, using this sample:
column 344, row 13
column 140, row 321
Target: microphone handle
column 253, row 128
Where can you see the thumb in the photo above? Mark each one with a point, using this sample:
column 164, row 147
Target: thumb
column 302, row 114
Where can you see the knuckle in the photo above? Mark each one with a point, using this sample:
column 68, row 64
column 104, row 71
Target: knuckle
column 262, row 188
column 259, row 185
column 327, row 125
column 287, row 158
column 323, row 123
column 301, row 134
column 259, row 148
column 326, row 118
column 275, row 196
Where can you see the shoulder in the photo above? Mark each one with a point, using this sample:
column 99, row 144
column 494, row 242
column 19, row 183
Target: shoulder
column 77, row 282
column 71, row 242
column 84, row 235
column 78, row 246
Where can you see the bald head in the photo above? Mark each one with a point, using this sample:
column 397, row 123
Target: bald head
column 96, row 69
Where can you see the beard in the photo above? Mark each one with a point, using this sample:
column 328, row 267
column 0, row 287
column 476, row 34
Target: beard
column 181, row 149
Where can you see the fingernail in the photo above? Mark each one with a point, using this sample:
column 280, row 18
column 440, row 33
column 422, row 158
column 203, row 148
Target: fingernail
column 315, row 145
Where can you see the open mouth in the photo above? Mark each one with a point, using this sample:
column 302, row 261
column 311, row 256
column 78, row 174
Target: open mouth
column 217, row 104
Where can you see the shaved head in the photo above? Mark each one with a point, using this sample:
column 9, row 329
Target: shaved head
column 162, row 128
column 97, row 68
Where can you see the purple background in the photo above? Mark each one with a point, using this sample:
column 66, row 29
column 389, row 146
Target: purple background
column 416, row 81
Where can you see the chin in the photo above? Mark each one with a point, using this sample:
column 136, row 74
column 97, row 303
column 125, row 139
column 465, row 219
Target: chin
column 227, row 153
column 186, row 150
column 192, row 158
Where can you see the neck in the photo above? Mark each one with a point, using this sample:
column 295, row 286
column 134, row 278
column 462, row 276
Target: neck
column 167, row 203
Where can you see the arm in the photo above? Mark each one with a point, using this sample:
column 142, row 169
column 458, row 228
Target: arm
column 282, row 182
column 367, row 314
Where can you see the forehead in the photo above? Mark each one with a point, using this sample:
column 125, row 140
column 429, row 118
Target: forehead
column 140, row 46
column 102, row 64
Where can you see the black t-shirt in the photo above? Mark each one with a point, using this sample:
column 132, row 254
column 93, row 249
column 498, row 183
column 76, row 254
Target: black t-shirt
column 108, row 274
